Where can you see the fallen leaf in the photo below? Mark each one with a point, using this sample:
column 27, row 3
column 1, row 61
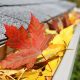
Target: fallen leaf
column 16, row 37
column 22, row 57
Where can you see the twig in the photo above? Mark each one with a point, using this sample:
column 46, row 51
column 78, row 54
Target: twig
column 22, row 74
column 9, row 76
column 47, row 63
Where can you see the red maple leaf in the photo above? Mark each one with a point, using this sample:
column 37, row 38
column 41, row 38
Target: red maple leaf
column 30, row 43
column 35, row 26
column 24, row 57
column 17, row 38
column 37, row 32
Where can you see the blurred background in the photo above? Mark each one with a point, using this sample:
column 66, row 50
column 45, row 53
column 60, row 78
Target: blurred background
column 76, row 1
column 76, row 69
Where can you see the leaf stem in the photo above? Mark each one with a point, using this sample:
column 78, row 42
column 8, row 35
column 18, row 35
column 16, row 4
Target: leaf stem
column 47, row 62
column 22, row 74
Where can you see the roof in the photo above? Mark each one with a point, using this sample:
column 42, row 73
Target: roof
column 17, row 12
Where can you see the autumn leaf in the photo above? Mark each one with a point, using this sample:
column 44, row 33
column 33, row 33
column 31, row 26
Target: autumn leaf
column 20, row 58
column 16, row 37
column 23, row 32
column 37, row 32
column 35, row 26
column 54, row 26
column 29, row 42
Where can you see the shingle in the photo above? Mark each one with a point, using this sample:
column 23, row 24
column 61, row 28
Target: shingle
column 43, row 10
column 11, row 2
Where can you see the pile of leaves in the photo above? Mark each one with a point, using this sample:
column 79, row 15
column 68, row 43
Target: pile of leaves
column 36, row 54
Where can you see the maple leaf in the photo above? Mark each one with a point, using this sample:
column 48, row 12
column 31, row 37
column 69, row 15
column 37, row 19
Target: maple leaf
column 20, row 58
column 54, row 25
column 37, row 33
column 17, row 38
column 30, row 43
column 66, row 21
column 35, row 26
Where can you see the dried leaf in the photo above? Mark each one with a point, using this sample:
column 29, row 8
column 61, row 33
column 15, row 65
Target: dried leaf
column 37, row 33
column 16, row 37
column 23, row 57
column 30, row 43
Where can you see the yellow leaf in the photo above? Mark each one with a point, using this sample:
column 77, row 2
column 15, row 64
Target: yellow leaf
column 31, row 75
column 50, row 31
column 67, row 34
column 72, row 18
column 57, row 40
column 41, row 78
column 53, row 65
